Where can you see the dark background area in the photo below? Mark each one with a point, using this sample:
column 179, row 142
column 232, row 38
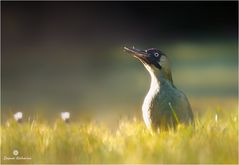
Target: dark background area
column 115, row 22
column 67, row 56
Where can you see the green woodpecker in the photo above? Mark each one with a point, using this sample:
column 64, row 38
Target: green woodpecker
column 164, row 106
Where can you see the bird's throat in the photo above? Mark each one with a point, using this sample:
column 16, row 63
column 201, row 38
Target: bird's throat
column 159, row 76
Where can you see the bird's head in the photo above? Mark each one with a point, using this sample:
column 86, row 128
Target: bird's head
column 153, row 59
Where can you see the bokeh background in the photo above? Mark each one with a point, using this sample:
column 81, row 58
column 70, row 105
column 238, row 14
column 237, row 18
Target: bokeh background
column 68, row 56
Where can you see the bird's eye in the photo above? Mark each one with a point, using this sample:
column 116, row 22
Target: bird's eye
column 156, row 54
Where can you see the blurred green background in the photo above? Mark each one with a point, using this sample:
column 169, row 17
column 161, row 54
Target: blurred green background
column 68, row 56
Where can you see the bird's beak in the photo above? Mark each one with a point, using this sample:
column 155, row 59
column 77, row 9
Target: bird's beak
column 140, row 54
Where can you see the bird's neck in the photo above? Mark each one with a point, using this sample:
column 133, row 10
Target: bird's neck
column 164, row 76
column 160, row 77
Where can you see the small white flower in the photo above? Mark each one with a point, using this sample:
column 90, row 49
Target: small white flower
column 65, row 116
column 18, row 116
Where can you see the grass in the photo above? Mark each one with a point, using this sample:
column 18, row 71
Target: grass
column 212, row 140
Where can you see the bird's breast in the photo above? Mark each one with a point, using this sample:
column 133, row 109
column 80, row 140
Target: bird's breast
column 148, row 101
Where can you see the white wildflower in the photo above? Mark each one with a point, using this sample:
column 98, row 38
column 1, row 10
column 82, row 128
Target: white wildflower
column 18, row 116
column 65, row 116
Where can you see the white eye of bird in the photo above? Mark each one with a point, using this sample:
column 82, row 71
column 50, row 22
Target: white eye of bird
column 156, row 54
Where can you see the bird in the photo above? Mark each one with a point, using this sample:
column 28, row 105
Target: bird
column 164, row 106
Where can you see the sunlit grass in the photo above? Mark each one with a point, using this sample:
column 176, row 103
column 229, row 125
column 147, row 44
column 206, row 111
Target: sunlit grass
column 213, row 139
